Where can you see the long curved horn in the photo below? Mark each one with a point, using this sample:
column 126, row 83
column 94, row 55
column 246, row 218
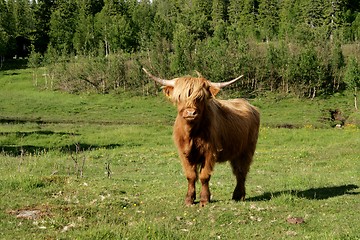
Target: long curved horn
column 224, row 84
column 163, row 82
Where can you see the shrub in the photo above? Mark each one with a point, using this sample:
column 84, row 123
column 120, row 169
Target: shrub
column 96, row 74
column 354, row 119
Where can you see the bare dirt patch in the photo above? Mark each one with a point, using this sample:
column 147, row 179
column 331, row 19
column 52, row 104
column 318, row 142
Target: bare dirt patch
column 31, row 213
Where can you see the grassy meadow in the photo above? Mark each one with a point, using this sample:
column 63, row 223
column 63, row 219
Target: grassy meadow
column 104, row 167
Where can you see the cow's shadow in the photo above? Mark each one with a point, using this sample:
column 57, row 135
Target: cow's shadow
column 320, row 193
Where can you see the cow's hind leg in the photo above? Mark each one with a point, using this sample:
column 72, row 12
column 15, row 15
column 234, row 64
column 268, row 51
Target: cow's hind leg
column 240, row 169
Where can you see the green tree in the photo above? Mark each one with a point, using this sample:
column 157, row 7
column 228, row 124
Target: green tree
column 242, row 16
column 11, row 14
column 212, row 57
column 165, row 18
column 274, row 62
column 62, row 26
column 196, row 16
column 183, row 49
column 287, row 19
column 337, row 65
column 142, row 18
column 42, row 13
column 268, row 19
column 303, row 71
column 4, row 38
column 4, row 35
column 159, row 47
column 311, row 20
column 284, row 55
column 23, row 15
column 312, row 13
column 115, row 28
column 309, row 66
column 352, row 77
column 85, row 40
column 219, row 12
column 334, row 16
column 8, row 27
column 356, row 27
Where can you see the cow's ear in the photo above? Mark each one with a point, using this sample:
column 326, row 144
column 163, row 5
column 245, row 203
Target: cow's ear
column 214, row 90
column 168, row 91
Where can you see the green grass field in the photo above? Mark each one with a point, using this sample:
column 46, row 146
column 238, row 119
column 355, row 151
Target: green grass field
column 104, row 167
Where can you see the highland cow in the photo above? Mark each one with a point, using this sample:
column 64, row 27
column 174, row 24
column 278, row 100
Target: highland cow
column 208, row 130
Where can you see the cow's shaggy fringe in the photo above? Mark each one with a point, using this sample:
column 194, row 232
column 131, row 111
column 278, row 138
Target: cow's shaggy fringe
column 190, row 89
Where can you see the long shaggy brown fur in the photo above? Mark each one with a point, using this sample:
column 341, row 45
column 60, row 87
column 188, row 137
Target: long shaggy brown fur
column 208, row 130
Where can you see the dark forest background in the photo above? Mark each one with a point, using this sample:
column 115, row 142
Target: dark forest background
column 304, row 47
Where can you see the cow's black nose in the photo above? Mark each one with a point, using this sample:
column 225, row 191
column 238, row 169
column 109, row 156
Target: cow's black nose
column 191, row 112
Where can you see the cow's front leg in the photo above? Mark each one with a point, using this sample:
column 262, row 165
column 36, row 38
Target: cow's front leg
column 191, row 193
column 205, row 191
column 205, row 174
column 191, row 175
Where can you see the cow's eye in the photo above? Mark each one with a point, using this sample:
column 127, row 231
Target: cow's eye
column 189, row 92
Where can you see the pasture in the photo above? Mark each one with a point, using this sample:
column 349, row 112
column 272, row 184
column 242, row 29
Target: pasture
column 104, row 167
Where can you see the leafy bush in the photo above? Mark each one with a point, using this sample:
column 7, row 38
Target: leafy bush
column 96, row 74
column 354, row 119
column 306, row 71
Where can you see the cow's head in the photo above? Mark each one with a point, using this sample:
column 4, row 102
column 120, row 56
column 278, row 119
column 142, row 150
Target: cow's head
column 190, row 94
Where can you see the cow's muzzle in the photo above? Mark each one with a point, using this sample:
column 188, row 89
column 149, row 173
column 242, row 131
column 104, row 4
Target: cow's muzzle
column 190, row 114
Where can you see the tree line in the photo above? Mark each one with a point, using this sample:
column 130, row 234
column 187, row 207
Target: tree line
column 307, row 47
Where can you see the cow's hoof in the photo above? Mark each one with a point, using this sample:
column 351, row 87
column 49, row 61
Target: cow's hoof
column 189, row 201
column 238, row 198
column 203, row 203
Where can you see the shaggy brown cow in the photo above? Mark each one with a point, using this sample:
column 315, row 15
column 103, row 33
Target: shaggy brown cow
column 208, row 130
